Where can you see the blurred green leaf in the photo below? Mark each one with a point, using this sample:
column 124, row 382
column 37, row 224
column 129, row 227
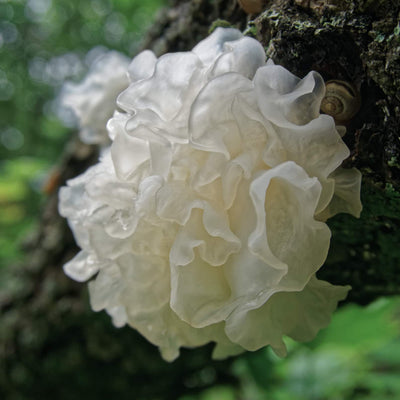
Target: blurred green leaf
column 388, row 355
column 218, row 393
column 362, row 329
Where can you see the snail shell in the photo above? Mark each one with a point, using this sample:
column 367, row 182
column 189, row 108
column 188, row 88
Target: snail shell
column 251, row 6
column 342, row 101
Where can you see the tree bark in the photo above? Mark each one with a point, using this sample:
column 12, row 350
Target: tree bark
column 52, row 344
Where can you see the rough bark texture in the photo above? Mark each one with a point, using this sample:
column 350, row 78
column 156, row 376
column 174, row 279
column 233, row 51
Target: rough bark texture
column 52, row 344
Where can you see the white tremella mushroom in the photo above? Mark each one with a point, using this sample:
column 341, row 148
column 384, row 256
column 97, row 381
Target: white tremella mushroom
column 206, row 219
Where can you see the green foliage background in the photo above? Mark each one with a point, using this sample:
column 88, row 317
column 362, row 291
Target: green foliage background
column 45, row 42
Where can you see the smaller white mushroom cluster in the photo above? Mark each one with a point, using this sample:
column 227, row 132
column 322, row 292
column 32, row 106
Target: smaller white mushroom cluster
column 206, row 219
column 93, row 101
